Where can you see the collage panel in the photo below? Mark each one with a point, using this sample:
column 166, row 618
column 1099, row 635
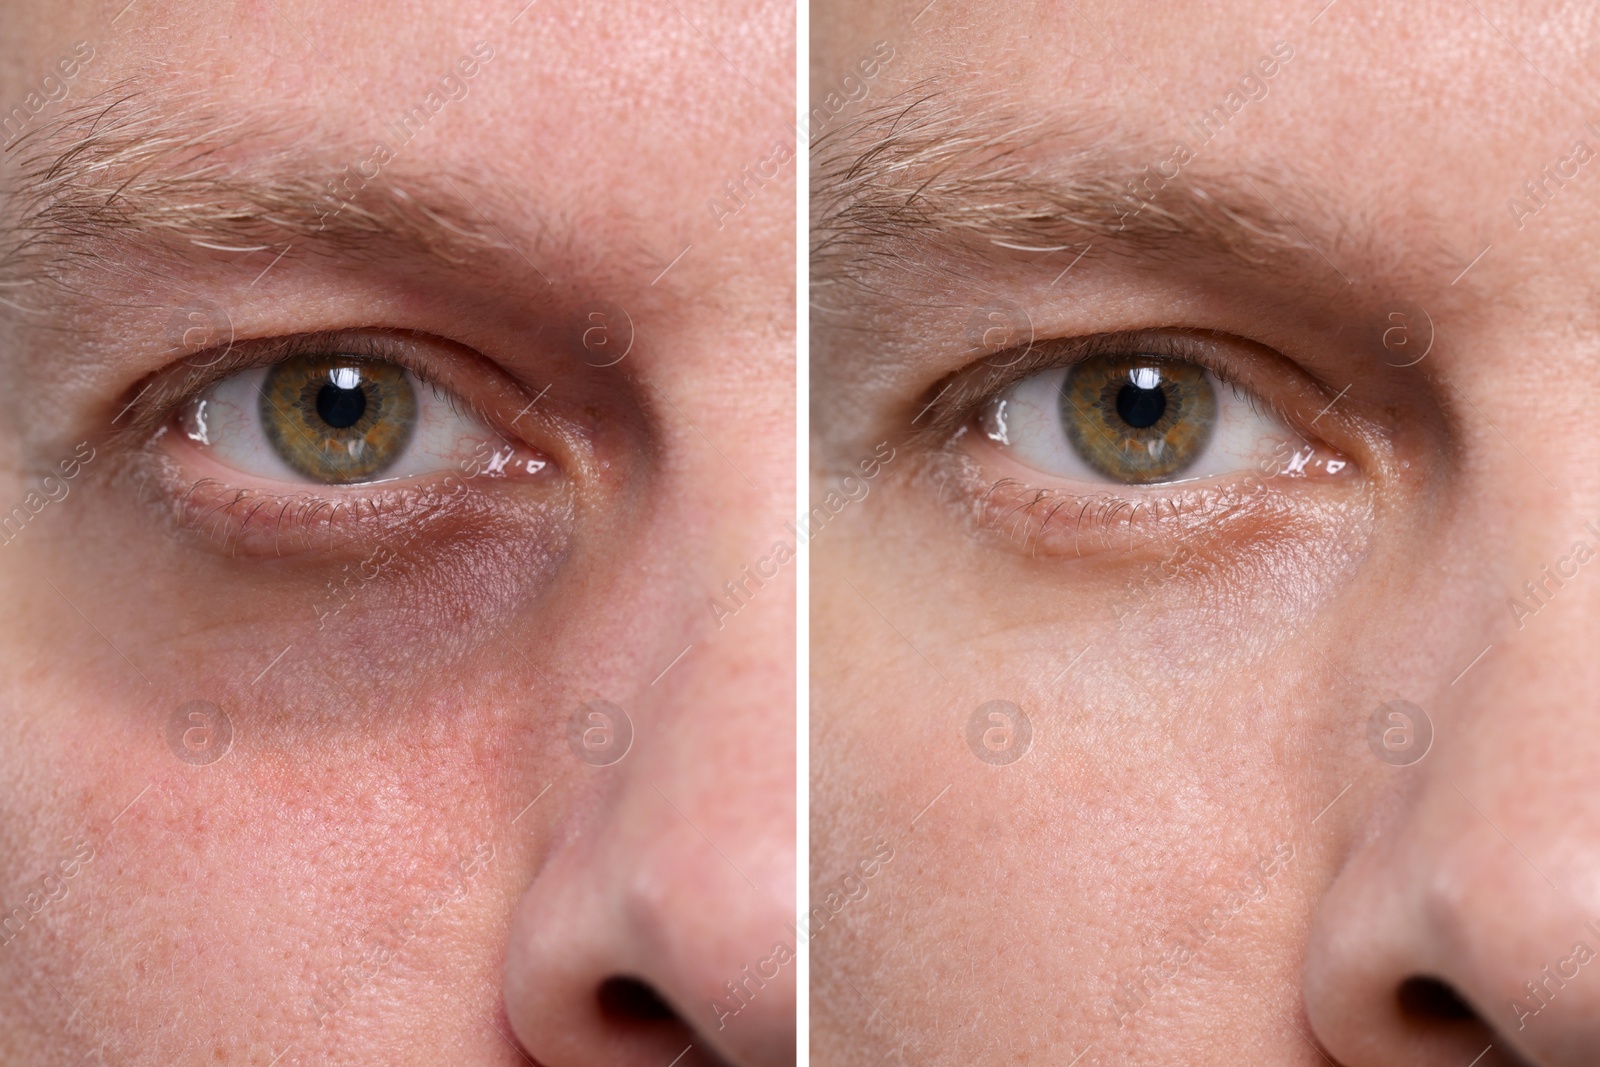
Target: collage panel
column 1203, row 503
column 398, row 409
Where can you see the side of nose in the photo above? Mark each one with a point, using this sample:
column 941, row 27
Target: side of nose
column 659, row 931
column 1467, row 924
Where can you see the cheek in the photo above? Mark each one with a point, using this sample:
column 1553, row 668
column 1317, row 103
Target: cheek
column 1162, row 749
column 250, row 883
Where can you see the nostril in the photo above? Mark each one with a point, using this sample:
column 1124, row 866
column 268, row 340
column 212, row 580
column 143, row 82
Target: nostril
column 628, row 1003
column 1430, row 1000
column 624, row 999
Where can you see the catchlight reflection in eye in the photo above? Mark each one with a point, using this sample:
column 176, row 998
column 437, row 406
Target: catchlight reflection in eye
column 1137, row 419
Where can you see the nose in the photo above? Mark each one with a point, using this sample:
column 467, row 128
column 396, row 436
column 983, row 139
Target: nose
column 1465, row 929
column 660, row 932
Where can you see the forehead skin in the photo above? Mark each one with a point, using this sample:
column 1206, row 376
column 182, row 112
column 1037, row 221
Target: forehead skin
column 217, row 902
column 1188, row 744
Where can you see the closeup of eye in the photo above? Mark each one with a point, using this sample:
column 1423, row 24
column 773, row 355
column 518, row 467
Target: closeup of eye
column 1139, row 418
column 320, row 443
column 338, row 419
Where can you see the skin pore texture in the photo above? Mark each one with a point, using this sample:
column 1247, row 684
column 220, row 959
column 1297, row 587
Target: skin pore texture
column 1204, row 845
column 310, row 774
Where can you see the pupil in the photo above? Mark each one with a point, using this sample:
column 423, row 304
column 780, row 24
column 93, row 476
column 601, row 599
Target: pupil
column 1140, row 408
column 340, row 408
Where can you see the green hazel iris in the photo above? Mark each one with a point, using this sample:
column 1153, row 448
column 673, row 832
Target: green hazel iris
column 338, row 419
column 1138, row 419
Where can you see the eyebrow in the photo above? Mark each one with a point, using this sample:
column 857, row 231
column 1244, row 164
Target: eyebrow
column 126, row 167
column 924, row 170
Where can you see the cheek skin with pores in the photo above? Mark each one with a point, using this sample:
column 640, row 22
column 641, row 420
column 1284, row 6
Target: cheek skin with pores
column 315, row 782
column 327, row 842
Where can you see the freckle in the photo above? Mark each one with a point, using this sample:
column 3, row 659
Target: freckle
column 219, row 1054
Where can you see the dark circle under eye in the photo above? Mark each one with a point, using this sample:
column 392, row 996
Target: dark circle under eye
column 1138, row 418
column 337, row 418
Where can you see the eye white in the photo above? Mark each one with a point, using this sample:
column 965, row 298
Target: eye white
column 1026, row 420
column 226, row 422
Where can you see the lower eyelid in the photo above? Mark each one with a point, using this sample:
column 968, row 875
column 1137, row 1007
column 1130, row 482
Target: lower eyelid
column 1008, row 504
column 347, row 521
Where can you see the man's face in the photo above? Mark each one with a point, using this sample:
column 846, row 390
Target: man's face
column 1238, row 374
column 391, row 396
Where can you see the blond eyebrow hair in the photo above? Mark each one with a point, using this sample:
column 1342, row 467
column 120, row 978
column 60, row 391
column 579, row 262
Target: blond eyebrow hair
column 129, row 165
column 927, row 167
